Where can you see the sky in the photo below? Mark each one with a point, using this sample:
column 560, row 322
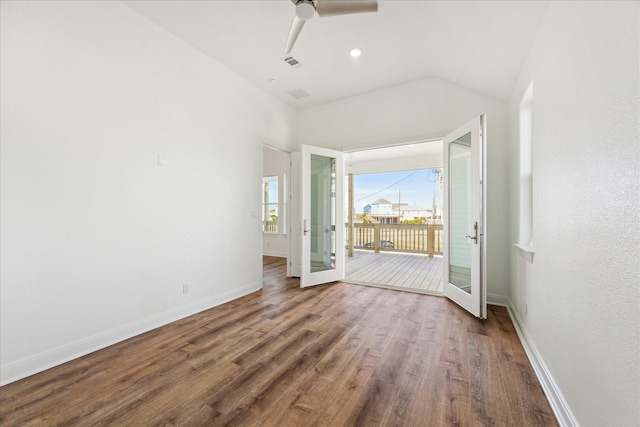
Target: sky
column 416, row 188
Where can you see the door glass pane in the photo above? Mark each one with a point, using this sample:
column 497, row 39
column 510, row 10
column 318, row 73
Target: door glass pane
column 459, row 213
column 270, row 204
column 323, row 213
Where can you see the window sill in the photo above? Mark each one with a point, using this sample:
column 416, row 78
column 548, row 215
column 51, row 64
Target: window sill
column 526, row 252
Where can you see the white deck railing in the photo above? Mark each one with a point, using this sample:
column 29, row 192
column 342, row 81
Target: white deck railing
column 413, row 238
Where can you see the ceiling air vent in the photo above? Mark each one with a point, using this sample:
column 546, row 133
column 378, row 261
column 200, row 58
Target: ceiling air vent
column 299, row 93
column 292, row 61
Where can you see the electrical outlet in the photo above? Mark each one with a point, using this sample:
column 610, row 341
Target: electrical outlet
column 185, row 288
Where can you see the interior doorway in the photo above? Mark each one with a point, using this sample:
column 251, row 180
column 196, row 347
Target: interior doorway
column 275, row 206
column 394, row 217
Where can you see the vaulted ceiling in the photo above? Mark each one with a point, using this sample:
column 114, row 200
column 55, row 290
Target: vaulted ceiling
column 478, row 45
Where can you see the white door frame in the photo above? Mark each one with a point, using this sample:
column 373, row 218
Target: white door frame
column 288, row 203
column 474, row 301
column 309, row 277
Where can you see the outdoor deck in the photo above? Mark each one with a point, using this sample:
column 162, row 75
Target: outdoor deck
column 397, row 270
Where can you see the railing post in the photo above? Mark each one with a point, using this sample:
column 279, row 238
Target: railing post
column 431, row 241
column 350, row 225
column 376, row 237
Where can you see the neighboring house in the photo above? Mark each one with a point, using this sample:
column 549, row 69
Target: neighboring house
column 386, row 212
column 410, row 212
column 382, row 207
column 367, row 209
column 382, row 211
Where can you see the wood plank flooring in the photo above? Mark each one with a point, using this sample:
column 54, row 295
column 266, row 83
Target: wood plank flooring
column 332, row 355
column 397, row 270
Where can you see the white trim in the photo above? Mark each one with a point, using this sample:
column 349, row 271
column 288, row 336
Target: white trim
column 39, row 362
column 525, row 251
column 557, row 401
column 437, row 137
column 475, row 301
column 276, row 146
column 307, row 277
column 497, row 299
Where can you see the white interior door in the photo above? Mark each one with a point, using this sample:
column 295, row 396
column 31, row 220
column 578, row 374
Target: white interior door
column 322, row 225
column 464, row 240
column 295, row 215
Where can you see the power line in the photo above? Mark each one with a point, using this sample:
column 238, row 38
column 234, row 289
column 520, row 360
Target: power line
column 386, row 188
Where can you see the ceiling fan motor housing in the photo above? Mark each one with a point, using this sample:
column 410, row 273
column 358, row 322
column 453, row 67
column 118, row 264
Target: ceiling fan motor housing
column 305, row 9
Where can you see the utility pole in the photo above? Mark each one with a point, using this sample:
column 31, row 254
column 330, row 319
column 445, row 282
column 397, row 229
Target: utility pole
column 398, row 206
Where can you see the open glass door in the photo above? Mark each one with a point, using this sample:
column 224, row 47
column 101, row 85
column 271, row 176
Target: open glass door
column 322, row 216
column 464, row 244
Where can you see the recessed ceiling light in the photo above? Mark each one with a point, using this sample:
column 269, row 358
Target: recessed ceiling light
column 272, row 80
column 355, row 52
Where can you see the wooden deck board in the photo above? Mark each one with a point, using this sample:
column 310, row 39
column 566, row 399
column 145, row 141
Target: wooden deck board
column 399, row 270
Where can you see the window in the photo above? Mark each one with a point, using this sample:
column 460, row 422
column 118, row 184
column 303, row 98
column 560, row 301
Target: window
column 270, row 204
column 525, row 231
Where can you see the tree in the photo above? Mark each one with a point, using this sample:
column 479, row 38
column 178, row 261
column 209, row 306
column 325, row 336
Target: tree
column 365, row 218
column 412, row 221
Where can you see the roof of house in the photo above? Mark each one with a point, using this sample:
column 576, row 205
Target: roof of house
column 381, row 202
column 407, row 207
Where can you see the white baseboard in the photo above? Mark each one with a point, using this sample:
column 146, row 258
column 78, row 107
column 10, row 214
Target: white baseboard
column 37, row 363
column 557, row 401
column 497, row 299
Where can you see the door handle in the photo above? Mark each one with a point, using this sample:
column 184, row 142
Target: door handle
column 475, row 233
column 304, row 227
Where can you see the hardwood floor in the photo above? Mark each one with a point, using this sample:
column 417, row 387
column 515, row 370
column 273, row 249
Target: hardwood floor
column 332, row 355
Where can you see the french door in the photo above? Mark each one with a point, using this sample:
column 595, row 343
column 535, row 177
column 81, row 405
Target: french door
column 322, row 219
column 463, row 233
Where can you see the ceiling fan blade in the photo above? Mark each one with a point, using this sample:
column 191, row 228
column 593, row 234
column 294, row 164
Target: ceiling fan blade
column 345, row 7
column 294, row 31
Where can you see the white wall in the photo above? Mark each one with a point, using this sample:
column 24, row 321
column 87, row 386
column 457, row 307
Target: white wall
column 582, row 291
column 417, row 111
column 395, row 164
column 276, row 163
column 96, row 237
